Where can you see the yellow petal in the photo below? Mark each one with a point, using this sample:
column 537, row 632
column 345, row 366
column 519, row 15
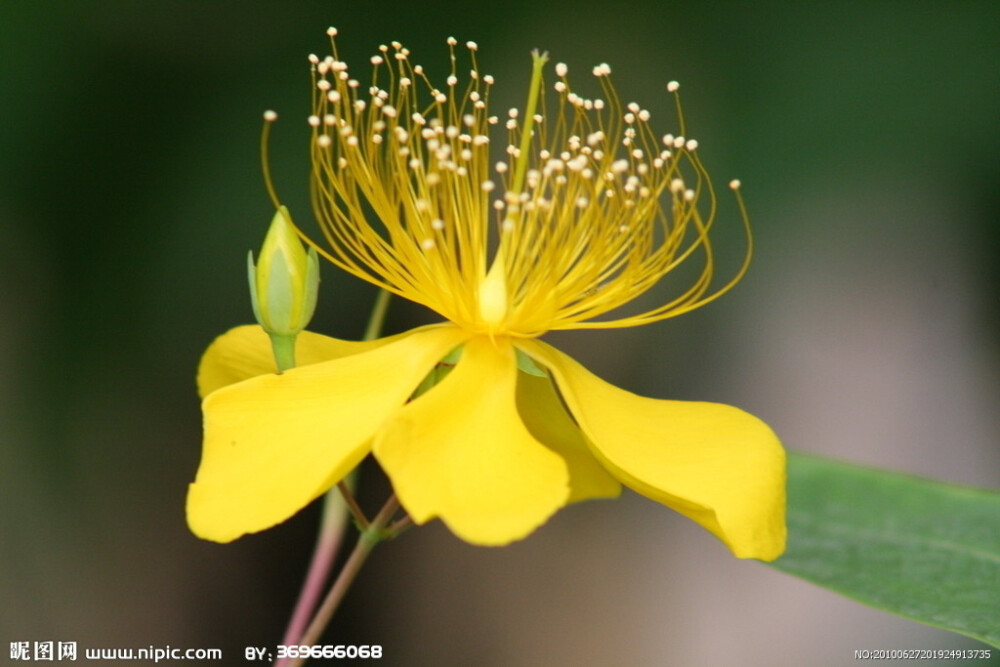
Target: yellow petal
column 713, row 463
column 546, row 419
column 461, row 452
column 245, row 352
column 275, row 442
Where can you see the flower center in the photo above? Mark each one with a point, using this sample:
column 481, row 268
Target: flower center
column 493, row 296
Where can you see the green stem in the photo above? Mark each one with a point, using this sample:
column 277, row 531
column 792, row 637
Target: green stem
column 366, row 542
column 377, row 318
column 327, row 544
column 352, row 506
column 284, row 351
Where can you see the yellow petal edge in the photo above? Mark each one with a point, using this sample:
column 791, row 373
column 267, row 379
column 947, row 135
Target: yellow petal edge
column 717, row 465
column 545, row 417
column 461, row 452
column 274, row 442
column 245, row 351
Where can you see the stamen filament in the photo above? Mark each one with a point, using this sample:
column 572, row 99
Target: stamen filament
column 592, row 207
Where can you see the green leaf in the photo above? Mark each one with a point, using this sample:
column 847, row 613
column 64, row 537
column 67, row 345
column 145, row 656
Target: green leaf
column 922, row 549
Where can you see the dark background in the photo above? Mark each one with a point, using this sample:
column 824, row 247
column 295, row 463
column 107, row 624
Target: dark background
column 867, row 138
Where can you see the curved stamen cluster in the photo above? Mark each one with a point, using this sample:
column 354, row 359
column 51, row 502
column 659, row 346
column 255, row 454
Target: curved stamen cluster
column 591, row 207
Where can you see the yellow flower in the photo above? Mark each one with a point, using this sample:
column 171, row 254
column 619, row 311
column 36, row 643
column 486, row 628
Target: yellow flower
column 588, row 210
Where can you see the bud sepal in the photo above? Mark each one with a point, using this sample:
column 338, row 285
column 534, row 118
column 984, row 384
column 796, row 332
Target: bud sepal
column 284, row 284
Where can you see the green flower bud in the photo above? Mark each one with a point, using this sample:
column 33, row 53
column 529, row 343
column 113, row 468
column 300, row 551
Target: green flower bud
column 283, row 286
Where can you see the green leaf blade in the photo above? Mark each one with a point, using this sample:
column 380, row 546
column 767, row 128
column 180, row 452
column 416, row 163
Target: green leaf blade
column 918, row 548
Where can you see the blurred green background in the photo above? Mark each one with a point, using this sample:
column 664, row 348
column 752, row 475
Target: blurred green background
column 866, row 135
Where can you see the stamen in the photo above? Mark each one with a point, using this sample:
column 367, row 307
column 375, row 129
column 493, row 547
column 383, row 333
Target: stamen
column 578, row 200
